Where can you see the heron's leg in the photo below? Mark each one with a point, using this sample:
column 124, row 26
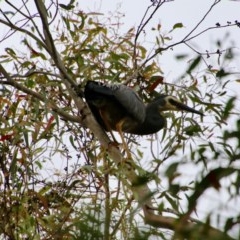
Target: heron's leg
column 107, row 125
column 125, row 146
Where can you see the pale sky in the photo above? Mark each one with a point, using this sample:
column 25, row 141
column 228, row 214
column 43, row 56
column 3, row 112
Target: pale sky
column 187, row 12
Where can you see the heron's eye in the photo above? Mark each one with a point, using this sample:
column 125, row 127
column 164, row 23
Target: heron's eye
column 173, row 102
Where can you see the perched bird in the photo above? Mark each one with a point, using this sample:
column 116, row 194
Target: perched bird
column 118, row 108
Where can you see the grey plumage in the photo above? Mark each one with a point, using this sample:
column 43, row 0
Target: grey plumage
column 118, row 107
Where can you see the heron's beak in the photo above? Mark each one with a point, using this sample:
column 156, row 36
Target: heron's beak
column 182, row 107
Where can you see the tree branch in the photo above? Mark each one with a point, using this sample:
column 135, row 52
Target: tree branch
column 30, row 18
column 33, row 36
column 160, row 50
column 188, row 37
column 203, row 18
column 38, row 96
column 51, row 46
column 143, row 24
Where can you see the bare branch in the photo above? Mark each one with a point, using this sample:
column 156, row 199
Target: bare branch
column 160, row 50
column 186, row 229
column 203, row 18
column 30, row 18
column 208, row 29
column 143, row 24
column 19, row 29
column 188, row 37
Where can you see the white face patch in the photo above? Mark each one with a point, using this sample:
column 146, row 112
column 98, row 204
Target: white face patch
column 168, row 104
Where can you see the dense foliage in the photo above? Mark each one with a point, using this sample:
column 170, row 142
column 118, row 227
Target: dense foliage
column 60, row 179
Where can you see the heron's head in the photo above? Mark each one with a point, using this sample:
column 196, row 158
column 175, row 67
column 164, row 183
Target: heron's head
column 172, row 103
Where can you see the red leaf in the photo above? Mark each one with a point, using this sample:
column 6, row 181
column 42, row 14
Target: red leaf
column 157, row 80
column 51, row 119
column 6, row 137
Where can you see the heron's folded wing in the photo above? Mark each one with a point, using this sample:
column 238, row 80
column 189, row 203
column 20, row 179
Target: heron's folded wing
column 124, row 95
column 130, row 100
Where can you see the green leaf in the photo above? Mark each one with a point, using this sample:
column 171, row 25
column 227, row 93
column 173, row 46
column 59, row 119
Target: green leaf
column 221, row 73
column 181, row 56
column 212, row 179
column 229, row 107
column 72, row 141
column 69, row 6
column 194, row 64
column 192, row 130
column 177, row 25
column 11, row 52
column 172, row 202
column 171, row 171
column 25, row 135
column 67, row 23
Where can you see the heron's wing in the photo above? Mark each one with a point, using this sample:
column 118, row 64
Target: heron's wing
column 124, row 95
column 91, row 96
column 130, row 100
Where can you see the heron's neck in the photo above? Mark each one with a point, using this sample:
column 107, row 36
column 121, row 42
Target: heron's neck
column 153, row 122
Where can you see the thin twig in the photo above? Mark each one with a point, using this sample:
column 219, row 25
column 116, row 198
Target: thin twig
column 203, row 18
column 160, row 50
column 19, row 29
column 143, row 24
column 33, row 22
